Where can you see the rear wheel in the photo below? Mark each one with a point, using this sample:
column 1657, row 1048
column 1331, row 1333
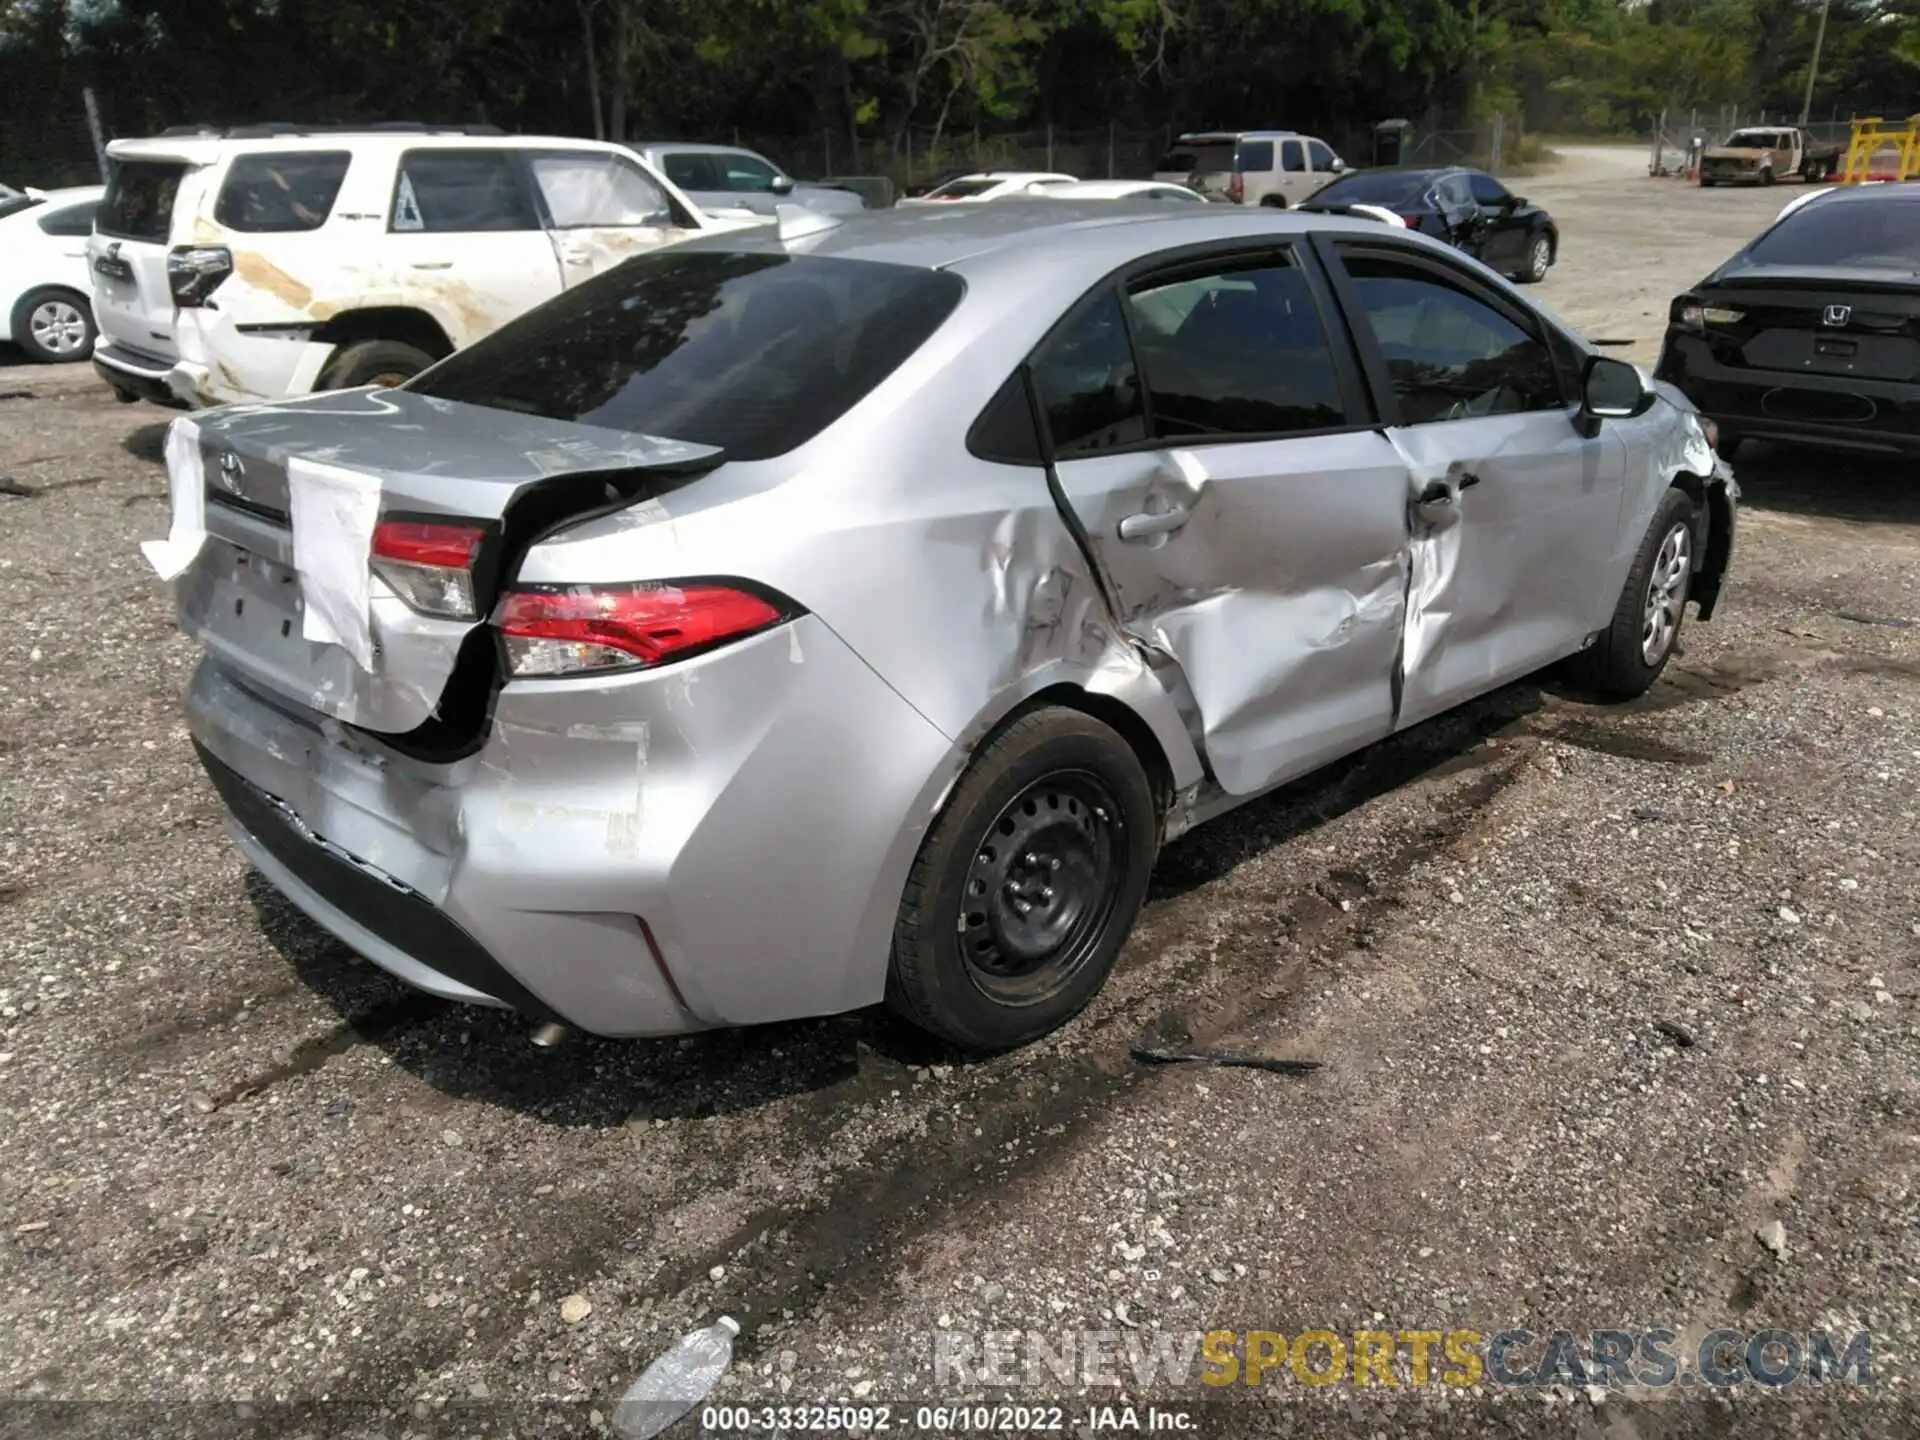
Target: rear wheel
column 1025, row 888
column 373, row 362
column 54, row 326
column 1633, row 650
column 1274, row 202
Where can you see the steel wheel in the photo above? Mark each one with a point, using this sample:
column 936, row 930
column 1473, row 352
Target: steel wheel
column 58, row 327
column 1041, row 887
column 1666, row 594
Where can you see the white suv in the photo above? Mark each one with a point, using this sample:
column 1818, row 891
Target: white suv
column 266, row 263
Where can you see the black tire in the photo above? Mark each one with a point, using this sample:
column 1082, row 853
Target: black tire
column 1766, row 175
column 373, row 362
column 54, row 325
column 1539, row 258
column 1616, row 666
column 968, row 964
column 1273, row 202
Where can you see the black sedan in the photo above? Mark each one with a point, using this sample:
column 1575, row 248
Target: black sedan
column 1812, row 332
column 1468, row 209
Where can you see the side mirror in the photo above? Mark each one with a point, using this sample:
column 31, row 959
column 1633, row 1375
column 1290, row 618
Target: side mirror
column 781, row 185
column 1611, row 390
column 1514, row 202
column 1339, row 165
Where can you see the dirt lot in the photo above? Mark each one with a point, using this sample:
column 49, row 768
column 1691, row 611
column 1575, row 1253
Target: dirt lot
column 240, row 1164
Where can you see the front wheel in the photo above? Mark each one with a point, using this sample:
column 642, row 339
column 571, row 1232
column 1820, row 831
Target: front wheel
column 1025, row 888
column 1539, row 259
column 1766, row 176
column 374, row 362
column 1633, row 650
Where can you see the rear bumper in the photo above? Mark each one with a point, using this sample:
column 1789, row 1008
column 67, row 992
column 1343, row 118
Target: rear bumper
column 134, row 374
column 218, row 366
column 1841, row 411
column 721, row 843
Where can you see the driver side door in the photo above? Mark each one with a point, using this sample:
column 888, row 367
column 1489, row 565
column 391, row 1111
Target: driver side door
column 1513, row 510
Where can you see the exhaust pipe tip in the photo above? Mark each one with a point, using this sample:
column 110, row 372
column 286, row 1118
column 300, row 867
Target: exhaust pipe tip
column 550, row 1035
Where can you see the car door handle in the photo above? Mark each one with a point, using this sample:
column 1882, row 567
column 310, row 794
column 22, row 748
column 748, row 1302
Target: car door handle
column 1438, row 492
column 433, row 264
column 1147, row 524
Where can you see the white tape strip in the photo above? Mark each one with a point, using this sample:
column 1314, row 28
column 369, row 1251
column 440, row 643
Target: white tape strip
column 187, row 495
column 333, row 513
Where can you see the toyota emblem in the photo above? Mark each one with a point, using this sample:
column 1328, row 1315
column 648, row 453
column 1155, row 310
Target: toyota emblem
column 232, row 472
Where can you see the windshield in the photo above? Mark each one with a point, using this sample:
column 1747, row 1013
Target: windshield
column 1754, row 140
column 1876, row 234
column 754, row 353
column 1395, row 189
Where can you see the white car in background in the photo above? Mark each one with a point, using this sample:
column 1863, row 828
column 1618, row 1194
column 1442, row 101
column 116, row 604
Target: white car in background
column 1116, row 190
column 272, row 261
column 990, row 185
column 44, row 291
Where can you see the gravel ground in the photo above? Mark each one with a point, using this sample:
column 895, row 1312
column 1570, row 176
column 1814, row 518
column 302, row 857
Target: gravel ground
column 1603, row 995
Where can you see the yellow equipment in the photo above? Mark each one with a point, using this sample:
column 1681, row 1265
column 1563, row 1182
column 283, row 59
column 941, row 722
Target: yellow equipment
column 1872, row 141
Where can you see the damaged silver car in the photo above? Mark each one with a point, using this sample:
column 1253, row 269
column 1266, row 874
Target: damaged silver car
column 797, row 619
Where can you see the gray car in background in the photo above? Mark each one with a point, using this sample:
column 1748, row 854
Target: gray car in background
column 726, row 177
column 781, row 623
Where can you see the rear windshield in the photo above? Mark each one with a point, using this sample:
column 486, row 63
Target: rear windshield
column 12, row 202
column 1876, row 234
column 1391, row 188
column 754, row 353
column 139, row 199
column 961, row 189
column 1214, row 158
column 278, row 193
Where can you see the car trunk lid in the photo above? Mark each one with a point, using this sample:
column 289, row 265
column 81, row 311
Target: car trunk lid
column 1837, row 323
column 437, row 466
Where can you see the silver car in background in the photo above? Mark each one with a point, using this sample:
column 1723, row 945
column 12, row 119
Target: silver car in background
column 719, row 178
column 786, row 621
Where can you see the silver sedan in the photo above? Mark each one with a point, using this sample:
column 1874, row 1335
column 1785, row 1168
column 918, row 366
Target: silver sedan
column 833, row 613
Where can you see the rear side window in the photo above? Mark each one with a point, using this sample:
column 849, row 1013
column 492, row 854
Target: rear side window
column 1236, row 352
column 139, row 199
column 69, row 219
column 1880, row 233
column 1293, row 157
column 278, row 194
column 1088, row 384
column 755, row 353
column 442, row 191
column 1256, row 157
column 963, row 189
column 692, row 172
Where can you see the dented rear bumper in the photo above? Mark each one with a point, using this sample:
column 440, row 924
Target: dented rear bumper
column 645, row 854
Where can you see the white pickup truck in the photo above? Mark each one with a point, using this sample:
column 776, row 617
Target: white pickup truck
column 1762, row 154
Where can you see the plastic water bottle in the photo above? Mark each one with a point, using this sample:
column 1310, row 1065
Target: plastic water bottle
column 676, row 1382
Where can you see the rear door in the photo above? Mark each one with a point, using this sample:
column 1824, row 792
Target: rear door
column 1514, row 511
column 1294, row 181
column 1214, row 443
column 132, row 298
column 465, row 230
column 601, row 209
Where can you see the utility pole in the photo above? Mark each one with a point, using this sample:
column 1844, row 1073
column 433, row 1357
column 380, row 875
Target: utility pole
column 1813, row 65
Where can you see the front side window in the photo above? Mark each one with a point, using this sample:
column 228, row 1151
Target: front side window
column 755, row 353
column 594, row 189
column 1320, row 156
column 1449, row 355
column 461, row 191
column 1487, row 190
column 749, row 173
column 70, row 219
column 1089, row 388
column 139, row 199
column 1235, row 351
column 281, row 194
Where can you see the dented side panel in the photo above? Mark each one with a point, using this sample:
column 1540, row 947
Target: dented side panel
column 1281, row 594
column 1513, row 521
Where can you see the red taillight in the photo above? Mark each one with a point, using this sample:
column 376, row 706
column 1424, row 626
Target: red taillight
column 585, row 628
column 1412, row 222
column 429, row 565
column 1236, row 188
column 195, row 271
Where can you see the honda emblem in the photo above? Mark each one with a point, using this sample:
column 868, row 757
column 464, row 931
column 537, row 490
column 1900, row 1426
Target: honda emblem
column 1838, row 314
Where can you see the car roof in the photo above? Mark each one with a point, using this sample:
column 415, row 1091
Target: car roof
column 1195, row 137
column 693, row 147
column 206, row 149
column 72, row 193
column 1090, row 188
column 939, row 236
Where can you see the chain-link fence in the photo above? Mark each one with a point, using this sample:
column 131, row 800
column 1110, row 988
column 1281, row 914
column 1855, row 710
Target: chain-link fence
column 45, row 138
